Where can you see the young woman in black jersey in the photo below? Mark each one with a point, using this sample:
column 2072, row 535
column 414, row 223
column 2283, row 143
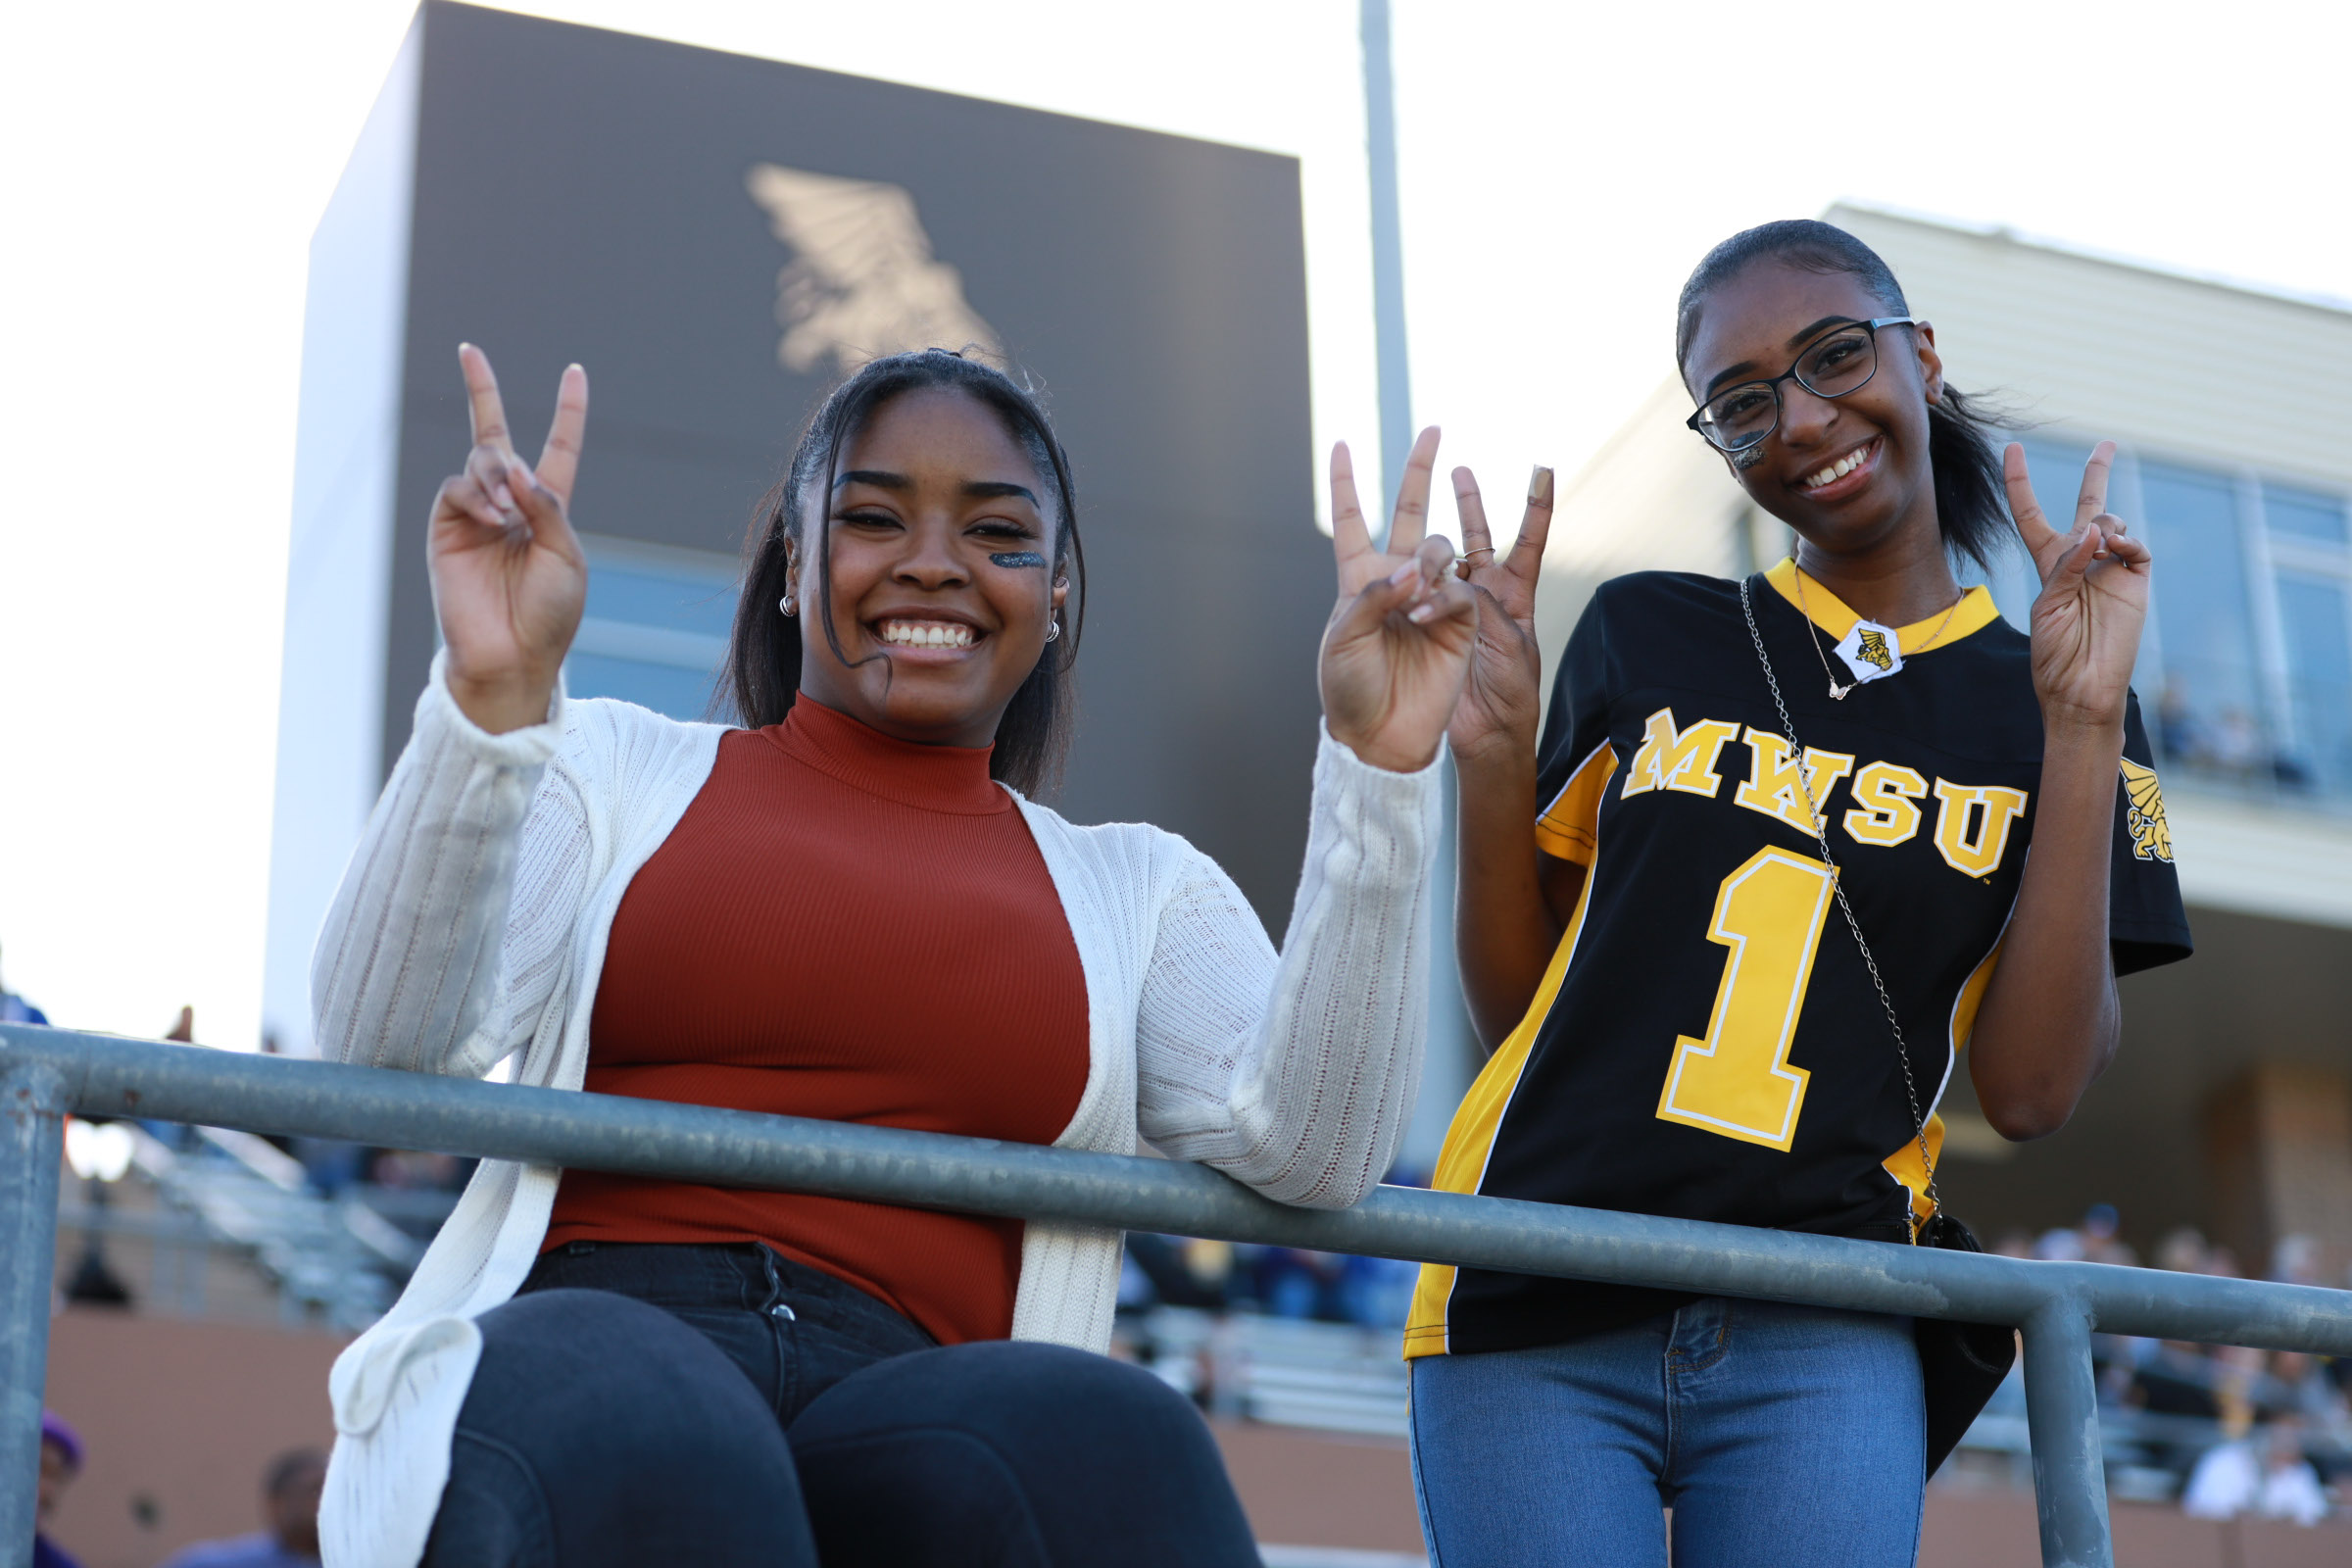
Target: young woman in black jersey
column 1684, row 1023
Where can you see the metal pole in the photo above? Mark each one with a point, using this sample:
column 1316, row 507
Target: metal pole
column 2062, row 1417
column 1387, row 253
column 32, row 1141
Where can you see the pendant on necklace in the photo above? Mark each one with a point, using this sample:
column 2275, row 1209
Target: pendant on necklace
column 1837, row 692
column 1871, row 652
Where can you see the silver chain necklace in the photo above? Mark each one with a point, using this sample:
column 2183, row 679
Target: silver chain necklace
column 1903, row 1049
column 1838, row 693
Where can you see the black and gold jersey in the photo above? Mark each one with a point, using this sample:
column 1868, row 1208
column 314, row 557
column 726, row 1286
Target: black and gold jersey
column 1706, row 1042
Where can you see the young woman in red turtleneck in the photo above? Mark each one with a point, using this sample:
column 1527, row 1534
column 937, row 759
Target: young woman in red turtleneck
column 848, row 908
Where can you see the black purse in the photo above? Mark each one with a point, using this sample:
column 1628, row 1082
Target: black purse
column 1960, row 1364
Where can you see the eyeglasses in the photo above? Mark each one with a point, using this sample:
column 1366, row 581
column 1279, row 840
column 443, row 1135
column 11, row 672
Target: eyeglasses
column 1842, row 359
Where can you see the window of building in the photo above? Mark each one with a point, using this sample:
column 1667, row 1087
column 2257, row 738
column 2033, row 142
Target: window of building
column 2245, row 673
column 2317, row 630
column 654, row 632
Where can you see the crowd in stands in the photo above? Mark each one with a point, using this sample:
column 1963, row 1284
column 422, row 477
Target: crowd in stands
column 1287, row 1282
column 289, row 1512
column 2266, row 1432
column 2259, row 1431
column 16, row 1009
column 1371, row 1292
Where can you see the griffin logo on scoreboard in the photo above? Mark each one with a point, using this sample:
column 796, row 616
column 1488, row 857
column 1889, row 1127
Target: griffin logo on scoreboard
column 864, row 281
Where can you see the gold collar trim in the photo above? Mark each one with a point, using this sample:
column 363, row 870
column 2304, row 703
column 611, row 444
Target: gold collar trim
column 1974, row 612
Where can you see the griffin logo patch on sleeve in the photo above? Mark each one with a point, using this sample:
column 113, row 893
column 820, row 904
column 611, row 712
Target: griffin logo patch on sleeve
column 2152, row 839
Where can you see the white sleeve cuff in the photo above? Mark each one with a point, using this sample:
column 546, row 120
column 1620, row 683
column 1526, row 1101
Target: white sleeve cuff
column 1339, row 758
column 527, row 747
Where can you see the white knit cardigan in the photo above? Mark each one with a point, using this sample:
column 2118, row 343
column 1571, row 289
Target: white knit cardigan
column 470, row 926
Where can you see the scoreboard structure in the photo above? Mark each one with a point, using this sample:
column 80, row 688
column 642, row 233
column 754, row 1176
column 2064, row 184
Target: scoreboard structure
column 719, row 239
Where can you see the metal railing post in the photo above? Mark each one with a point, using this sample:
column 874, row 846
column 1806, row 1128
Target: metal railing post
column 2062, row 1419
column 33, row 1137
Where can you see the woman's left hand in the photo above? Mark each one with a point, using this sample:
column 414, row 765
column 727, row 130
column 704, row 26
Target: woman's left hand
column 1397, row 648
column 2095, row 597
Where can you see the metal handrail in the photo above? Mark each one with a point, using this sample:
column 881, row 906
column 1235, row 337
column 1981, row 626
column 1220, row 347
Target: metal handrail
column 46, row 1074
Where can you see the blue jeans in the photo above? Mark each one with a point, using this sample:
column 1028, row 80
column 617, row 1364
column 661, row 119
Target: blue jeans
column 1781, row 1436
column 721, row 1406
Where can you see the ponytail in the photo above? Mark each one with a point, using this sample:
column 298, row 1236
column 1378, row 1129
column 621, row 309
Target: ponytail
column 1971, row 505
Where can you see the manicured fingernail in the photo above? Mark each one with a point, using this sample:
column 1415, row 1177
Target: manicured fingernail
column 1406, row 573
column 518, row 468
column 1422, row 612
column 1539, row 485
column 504, row 496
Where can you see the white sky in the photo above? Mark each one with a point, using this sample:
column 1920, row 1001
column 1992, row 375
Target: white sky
column 1562, row 170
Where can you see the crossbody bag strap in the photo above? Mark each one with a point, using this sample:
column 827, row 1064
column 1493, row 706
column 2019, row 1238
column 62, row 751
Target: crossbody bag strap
column 1902, row 1050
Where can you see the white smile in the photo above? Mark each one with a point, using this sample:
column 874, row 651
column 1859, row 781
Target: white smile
column 926, row 634
column 1842, row 466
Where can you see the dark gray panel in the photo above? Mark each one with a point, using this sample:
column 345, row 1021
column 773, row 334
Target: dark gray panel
column 580, row 195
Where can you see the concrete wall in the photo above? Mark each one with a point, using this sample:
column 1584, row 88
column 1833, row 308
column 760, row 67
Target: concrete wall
column 186, row 1415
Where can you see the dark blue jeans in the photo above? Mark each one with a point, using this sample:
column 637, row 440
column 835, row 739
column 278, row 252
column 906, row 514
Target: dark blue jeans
column 721, row 1405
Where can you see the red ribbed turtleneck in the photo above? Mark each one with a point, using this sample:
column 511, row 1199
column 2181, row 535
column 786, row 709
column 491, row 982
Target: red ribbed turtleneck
column 853, row 927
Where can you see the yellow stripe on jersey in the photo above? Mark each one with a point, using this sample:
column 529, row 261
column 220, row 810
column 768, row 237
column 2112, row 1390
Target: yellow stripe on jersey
column 1904, row 1164
column 1570, row 827
column 1470, row 1140
column 1974, row 612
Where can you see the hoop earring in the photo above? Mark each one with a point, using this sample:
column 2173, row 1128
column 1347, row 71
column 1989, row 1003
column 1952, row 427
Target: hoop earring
column 1053, row 630
column 785, row 605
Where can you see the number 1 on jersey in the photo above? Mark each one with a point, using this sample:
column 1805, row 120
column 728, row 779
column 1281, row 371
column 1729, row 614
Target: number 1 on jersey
column 1738, row 1082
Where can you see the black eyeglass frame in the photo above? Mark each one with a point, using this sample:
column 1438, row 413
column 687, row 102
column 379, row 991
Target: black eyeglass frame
column 1791, row 375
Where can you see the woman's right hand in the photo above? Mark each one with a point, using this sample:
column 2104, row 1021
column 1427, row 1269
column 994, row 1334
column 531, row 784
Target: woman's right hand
column 1503, row 701
column 509, row 576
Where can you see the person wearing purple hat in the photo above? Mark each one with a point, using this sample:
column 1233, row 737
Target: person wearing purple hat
column 61, row 1462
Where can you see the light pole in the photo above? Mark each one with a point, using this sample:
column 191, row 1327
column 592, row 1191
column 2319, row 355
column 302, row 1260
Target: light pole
column 1447, row 1067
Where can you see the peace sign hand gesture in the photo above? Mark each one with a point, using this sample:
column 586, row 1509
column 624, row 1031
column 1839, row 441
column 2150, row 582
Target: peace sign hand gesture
column 1397, row 647
column 1502, row 703
column 2094, row 595
column 509, row 576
